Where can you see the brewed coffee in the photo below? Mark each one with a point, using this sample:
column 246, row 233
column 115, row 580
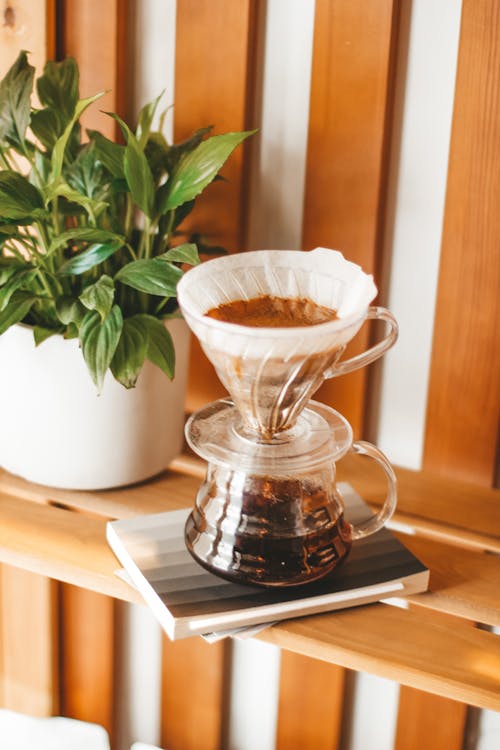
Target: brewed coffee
column 288, row 532
column 268, row 311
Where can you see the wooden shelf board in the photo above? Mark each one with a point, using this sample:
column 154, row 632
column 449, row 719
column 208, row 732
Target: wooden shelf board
column 409, row 647
column 61, row 534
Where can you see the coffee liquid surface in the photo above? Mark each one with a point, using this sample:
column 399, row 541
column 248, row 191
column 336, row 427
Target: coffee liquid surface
column 273, row 312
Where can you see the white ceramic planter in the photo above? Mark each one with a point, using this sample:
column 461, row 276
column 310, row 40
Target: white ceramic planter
column 56, row 430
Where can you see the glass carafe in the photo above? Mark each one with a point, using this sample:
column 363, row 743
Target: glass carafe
column 275, row 516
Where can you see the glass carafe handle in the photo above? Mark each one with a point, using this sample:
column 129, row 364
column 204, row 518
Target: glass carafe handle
column 342, row 367
column 375, row 522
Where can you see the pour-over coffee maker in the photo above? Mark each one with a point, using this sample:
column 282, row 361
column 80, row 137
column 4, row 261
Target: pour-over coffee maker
column 269, row 511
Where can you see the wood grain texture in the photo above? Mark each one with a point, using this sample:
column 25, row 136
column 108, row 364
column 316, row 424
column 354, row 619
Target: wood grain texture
column 464, row 393
column 351, row 96
column 29, row 26
column 310, row 703
column 408, row 647
column 94, row 33
column 28, row 638
column 431, row 720
column 87, row 656
column 214, row 51
column 462, row 582
column 72, row 547
column 193, row 703
column 439, row 720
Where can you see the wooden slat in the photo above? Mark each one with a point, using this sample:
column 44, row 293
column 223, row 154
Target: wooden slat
column 28, row 638
column 214, row 49
column 443, row 720
column 310, row 703
column 87, row 655
column 408, row 647
column 59, row 544
column 28, row 618
column 462, row 582
column 193, row 710
column 350, row 101
column 94, row 32
column 464, row 394
column 26, row 25
column 439, row 720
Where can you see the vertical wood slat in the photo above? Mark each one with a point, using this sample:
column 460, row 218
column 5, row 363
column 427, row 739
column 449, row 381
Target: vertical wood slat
column 464, row 394
column 28, row 617
column 29, row 26
column 430, row 721
column 214, row 49
column 310, row 704
column 464, row 398
column 193, row 694
column 28, row 642
column 87, row 656
column 354, row 45
column 94, row 33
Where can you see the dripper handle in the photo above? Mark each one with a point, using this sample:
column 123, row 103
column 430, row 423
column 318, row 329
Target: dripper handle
column 376, row 351
column 375, row 522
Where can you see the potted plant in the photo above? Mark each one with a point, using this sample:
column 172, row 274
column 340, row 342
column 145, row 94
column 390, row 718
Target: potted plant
column 90, row 256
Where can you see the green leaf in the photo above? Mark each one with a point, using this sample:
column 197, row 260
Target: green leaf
column 47, row 125
column 40, row 334
column 8, row 266
column 178, row 150
column 145, row 120
column 160, row 345
column 186, row 253
column 18, row 197
column 61, row 143
column 86, row 234
column 111, row 154
column 17, row 281
column 58, row 86
column 139, row 177
column 69, row 310
column 130, row 352
column 15, row 95
column 92, row 207
column 16, row 310
column 99, row 341
column 90, row 257
column 137, row 171
column 153, row 276
column 198, row 168
column 99, row 296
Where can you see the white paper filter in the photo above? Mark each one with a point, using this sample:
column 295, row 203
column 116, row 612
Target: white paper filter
column 323, row 276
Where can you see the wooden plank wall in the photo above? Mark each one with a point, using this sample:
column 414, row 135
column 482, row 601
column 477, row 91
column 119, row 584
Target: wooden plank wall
column 462, row 427
column 350, row 118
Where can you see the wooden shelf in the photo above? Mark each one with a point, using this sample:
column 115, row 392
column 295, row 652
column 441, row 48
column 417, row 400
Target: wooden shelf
column 454, row 528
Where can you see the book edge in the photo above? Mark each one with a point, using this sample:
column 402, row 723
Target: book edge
column 141, row 584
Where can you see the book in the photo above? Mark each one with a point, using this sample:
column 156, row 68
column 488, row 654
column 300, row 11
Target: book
column 188, row 600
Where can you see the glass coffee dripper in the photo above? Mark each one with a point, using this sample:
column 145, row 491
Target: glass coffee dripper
column 269, row 511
